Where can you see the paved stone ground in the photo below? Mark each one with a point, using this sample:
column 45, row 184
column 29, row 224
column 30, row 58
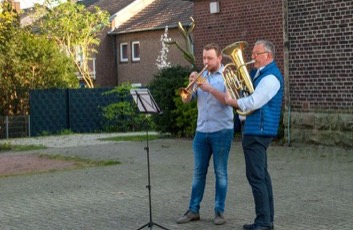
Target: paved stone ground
column 312, row 186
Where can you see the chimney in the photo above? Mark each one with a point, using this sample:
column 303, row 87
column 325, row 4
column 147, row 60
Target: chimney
column 16, row 6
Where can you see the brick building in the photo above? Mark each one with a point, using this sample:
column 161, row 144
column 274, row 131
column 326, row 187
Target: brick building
column 313, row 50
column 313, row 40
column 144, row 31
column 137, row 24
column 105, row 59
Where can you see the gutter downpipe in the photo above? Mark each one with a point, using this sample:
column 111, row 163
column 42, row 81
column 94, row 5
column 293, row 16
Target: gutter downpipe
column 286, row 68
column 115, row 60
column 115, row 52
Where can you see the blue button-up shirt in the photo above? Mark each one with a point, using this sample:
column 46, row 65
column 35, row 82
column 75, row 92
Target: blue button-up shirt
column 213, row 116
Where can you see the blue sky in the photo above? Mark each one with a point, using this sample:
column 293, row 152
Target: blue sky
column 25, row 4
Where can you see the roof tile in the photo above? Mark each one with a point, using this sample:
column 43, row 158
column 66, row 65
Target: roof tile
column 159, row 14
column 112, row 6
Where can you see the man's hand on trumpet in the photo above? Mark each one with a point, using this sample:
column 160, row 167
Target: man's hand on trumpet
column 192, row 76
column 205, row 86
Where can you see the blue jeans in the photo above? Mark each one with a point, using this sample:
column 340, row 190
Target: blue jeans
column 259, row 178
column 204, row 145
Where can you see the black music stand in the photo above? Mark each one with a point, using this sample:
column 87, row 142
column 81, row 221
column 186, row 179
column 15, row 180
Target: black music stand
column 146, row 104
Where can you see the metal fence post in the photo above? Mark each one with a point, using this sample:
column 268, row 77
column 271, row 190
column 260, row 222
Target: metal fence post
column 29, row 126
column 7, row 126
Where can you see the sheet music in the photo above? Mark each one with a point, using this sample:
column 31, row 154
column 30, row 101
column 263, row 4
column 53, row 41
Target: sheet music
column 144, row 100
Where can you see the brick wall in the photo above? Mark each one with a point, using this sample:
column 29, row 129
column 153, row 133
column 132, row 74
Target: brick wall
column 320, row 89
column 320, row 59
column 239, row 20
column 314, row 50
column 105, row 62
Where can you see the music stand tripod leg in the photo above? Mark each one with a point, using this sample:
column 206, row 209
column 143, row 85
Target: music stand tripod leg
column 146, row 104
column 151, row 223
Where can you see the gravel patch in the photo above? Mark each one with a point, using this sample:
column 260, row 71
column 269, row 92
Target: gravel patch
column 21, row 163
column 72, row 140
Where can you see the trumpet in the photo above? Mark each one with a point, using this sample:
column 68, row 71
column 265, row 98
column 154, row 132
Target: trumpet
column 184, row 92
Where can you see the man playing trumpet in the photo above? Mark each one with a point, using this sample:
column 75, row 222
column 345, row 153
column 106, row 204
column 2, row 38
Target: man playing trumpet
column 214, row 133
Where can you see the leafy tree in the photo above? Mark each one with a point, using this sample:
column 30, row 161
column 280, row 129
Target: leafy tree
column 32, row 62
column 9, row 23
column 75, row 29
column 28, row 62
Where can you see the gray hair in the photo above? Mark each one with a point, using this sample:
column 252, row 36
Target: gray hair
column 269, row 47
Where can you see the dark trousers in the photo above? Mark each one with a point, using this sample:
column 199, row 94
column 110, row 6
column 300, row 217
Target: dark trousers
column 254, row 148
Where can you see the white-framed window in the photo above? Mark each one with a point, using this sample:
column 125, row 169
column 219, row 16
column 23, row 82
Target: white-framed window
column 135, row 51
column 123, row 52
column 79, row 55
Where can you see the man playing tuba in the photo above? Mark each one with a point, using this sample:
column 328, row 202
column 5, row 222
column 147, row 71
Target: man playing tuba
column 261, row 125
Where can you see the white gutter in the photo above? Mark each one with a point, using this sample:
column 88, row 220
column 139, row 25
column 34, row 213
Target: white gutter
column 128, row 12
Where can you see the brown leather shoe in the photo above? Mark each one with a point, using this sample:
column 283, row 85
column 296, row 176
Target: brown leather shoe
column 188, row 216
column 219, row 219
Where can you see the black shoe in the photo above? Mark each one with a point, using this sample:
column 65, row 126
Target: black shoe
column 256, row 227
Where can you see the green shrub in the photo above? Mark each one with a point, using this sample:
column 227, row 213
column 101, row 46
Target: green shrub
column 123, row 115
column 186, row 117
column 66, row 132
column 5, row 146
column 176, row 118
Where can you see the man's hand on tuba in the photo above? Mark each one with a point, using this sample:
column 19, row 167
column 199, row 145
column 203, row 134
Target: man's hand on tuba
column 230, row 100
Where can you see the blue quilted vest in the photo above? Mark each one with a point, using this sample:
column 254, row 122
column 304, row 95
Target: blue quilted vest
column 265, row 120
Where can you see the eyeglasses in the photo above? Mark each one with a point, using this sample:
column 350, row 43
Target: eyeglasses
column 257, row 54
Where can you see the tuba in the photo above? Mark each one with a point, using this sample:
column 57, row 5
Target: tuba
column 236, row 76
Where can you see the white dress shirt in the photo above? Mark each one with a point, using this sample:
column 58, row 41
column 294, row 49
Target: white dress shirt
column 264, row 91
